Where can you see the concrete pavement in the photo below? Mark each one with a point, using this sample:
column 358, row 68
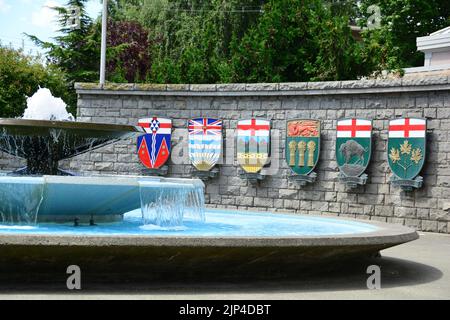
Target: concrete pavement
column 417, row 270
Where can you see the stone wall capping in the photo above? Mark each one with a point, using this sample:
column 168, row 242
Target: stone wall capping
column 358, row 84
column 386, row 83
column 231, row 87
column 150, row 87
column 349, row 87
column 87, row 86
column 119, row 87
column 203, row 87
column 178, row 87
column 423, row 81
column 324, row 85
column 262, row 87
column 293, row 86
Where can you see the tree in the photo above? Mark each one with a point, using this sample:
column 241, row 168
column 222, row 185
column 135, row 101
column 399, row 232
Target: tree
column 191, row 40
column 298, row 40
column 77, row 50
column 199, row 41
column 129, row 55
column 21, row 76
column 393, row 45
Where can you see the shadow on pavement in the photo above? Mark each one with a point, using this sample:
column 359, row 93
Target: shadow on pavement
column 348, row 276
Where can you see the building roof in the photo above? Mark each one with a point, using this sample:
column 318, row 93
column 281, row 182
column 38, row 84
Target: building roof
column 442, row 31
column 435, row 42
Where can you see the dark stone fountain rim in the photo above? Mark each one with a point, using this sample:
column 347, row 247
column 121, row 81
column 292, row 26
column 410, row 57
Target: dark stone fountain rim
column 69, row 125
column 386, row 235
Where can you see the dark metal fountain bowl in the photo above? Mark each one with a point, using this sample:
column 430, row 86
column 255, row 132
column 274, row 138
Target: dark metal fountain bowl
column 44, row 143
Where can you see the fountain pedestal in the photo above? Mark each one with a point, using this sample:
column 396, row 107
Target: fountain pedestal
column 44, row 143
column 49, row 198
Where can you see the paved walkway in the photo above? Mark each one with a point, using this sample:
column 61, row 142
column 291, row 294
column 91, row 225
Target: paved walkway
column 417, row 270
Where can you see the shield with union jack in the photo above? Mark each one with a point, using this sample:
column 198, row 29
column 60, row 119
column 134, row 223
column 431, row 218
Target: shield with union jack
column 154, row 147
column 406, row 147
column 353, row 146
column 205, row 143
column 253, row 144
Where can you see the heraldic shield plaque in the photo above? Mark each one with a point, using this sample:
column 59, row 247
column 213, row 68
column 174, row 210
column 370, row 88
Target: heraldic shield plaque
column 253, row 146
column 154, row 147
column 303, row 149
column 205, row 145
column 353, row 150
column 406, row 152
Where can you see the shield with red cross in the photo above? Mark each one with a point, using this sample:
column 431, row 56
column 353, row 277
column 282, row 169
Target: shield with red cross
column 353, row 146
column 407, row 147
column 253, row 144
column 154, row 147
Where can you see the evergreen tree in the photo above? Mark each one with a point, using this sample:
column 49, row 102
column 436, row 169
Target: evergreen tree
column 298, row 40
column 77, row 50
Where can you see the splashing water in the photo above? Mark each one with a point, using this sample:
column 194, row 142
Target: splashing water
column 168, row 204
column 44, row 106
column 20, row 200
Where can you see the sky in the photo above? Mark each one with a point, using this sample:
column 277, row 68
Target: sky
column 33, row 17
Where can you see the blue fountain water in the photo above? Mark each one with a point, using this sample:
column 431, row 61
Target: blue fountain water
column 219, row 223
column 167, row 204
column 169, row 207
column 20, row 200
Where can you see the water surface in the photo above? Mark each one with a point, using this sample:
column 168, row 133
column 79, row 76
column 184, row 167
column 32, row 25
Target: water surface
column 219, row 223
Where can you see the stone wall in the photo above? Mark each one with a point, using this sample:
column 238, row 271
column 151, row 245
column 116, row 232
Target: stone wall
column 426, row 209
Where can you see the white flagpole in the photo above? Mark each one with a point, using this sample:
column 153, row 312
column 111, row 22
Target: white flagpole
column 103, row 48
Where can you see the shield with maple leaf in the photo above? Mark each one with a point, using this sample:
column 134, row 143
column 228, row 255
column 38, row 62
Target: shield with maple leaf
column 406, row 147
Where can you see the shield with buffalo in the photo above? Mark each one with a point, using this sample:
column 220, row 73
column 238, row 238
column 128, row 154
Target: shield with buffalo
column 253, row 144
column 406, row 147
column 154, row 147
column 353, row 146
column 205, row 143
column 303, row 145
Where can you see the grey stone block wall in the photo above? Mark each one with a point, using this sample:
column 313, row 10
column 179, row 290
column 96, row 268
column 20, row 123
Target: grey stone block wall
column 426, row 209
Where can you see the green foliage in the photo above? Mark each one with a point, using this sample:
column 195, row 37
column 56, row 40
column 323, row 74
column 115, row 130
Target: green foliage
column 298, row 41
column 394, row 44
column 197, row 41
column 75, row 51
column 128, row 59
column 192, row 40
column 21, row 76
column 234, row 41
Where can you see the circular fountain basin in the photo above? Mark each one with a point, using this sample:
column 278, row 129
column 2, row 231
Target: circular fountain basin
column 44, row 143
column 229, row 245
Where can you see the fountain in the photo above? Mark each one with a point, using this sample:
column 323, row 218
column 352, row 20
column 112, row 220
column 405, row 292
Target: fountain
column 150, row 225
column 42, row 192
